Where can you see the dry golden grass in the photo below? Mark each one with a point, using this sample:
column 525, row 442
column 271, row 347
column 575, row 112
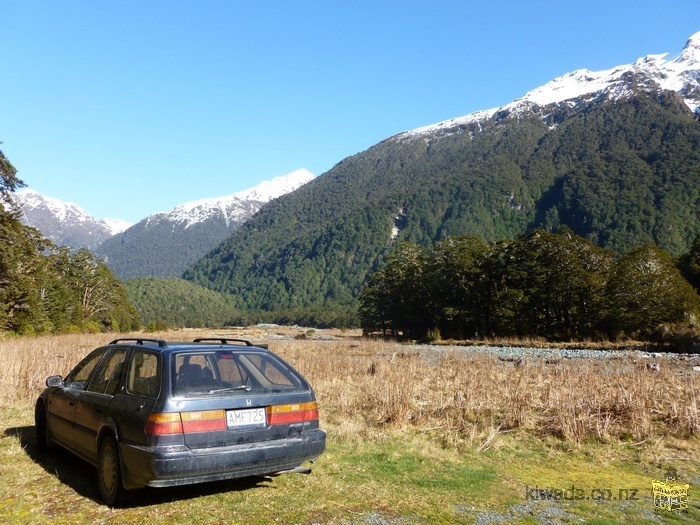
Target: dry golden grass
column 368, row 387
column 28, row 361
column 466, row 397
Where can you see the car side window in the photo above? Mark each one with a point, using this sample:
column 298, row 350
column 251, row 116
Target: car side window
column 143, row 378
column 77, row 378
column 107, row 376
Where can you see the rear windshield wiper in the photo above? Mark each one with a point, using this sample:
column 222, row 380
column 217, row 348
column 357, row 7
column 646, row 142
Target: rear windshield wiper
column 230, row 389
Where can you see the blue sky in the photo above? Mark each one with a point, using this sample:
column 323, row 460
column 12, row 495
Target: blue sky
column 128, row 108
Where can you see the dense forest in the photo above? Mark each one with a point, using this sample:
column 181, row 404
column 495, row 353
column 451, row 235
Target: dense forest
column 176, row 303
column 618, row 174
column 49, row 289
column 558, row 286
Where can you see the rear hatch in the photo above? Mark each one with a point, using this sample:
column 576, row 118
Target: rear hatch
column 237, row 396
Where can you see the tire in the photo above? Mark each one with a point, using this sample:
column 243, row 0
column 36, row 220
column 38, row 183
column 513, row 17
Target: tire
column 43, row 435
column 109, row 473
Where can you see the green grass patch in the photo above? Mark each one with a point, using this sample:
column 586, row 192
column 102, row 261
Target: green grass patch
column 399, row 478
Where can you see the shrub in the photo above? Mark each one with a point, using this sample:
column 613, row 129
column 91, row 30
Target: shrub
column 433, row 335
column 679, row 337
column 92, row 327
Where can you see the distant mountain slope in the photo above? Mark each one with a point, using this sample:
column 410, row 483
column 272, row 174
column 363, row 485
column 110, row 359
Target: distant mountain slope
column 615, row 155
column 65, row 223
column 178, row 303
column 165, row 244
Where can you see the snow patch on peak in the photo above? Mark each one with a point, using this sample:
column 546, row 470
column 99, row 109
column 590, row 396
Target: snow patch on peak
column 236, row 206
column 278, row 186
column 65, row 223
column 475, row 117
column 572, row 85
column 680, row 74
column 691, row 51
column 671, row 75
column 117, row 225
column 29, row 198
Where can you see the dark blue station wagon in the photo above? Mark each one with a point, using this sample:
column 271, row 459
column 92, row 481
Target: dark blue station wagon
column 148, row 412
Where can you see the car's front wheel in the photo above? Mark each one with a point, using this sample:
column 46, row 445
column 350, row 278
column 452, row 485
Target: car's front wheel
column 109, row 477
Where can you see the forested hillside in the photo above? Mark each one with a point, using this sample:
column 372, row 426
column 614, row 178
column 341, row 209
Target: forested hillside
column 161, row 248
column 178, row 303
column 618, row 173
column 166, row 244
column 45, row 289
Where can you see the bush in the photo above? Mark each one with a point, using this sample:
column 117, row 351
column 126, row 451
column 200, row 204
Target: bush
column 27, row 330
column 92, row 327
column 157, row 326
column 433, row 335
column 680, row 337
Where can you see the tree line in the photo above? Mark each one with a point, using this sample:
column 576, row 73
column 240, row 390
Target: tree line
column 168, row 302
column 50, row 289
column 558, row 286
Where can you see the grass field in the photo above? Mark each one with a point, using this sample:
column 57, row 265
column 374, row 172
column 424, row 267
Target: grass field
column 413, row 438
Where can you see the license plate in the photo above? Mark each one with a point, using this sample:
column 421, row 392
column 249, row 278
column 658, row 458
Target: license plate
column 246, row 418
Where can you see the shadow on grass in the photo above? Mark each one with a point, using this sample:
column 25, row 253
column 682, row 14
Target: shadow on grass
column 82, row 477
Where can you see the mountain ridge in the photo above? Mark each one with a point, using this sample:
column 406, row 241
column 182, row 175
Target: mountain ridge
column 237, row 206
column 164, row 244
column 618, row 164
column 680, row 74
column 65, row 223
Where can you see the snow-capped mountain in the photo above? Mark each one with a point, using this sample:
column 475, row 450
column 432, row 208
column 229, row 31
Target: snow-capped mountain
column 235, row 208
column 65, row 223
column 165, row 244
column 653, row 73
column 610, row 155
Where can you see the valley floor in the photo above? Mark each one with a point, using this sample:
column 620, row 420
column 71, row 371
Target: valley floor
column 417, row 435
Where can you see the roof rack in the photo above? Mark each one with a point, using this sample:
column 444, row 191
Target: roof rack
column 222, row 340
column 140, row 341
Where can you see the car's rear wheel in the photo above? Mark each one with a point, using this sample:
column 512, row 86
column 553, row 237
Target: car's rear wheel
column 109, row 477
column 43, row 436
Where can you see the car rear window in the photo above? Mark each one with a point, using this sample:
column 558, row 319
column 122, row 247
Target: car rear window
column 230, row 372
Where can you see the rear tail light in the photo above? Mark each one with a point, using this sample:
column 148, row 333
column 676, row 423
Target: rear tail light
column 297, row 413
column 186, row 422
column 164, row 424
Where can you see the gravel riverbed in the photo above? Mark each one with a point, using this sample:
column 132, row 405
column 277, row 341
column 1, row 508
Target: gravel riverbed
column 553, row 353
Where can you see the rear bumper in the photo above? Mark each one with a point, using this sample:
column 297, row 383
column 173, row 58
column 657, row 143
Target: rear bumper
column 166, row 467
